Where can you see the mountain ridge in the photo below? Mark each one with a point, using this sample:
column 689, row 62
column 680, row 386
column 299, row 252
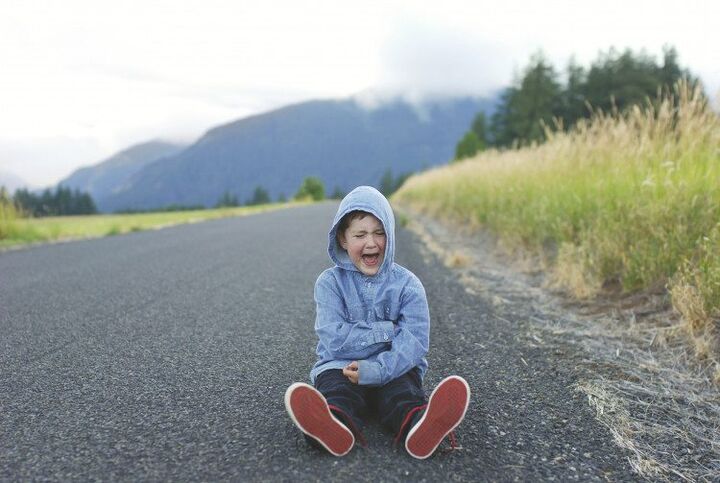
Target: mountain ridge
column 109, row 175
column 339, row 141
column 10, row 181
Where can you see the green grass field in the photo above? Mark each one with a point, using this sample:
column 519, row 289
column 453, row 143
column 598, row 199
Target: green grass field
column 630, row 201
column 15, row 230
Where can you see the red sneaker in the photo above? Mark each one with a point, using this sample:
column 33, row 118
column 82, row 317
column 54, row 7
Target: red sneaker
column 310, row 412
column 445, row 410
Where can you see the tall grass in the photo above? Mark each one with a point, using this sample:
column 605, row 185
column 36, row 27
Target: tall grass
column 629, row 200
column 9, row 216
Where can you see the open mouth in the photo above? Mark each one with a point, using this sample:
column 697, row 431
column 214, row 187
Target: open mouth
column 371, row 260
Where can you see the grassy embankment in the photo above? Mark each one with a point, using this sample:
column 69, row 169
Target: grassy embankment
column 630, row 201
column 16, row 230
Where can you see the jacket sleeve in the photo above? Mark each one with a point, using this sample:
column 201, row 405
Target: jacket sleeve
column 410, row 345
column 338, row 336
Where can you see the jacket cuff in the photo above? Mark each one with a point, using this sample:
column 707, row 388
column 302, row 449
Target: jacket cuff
column 369, row 373
column 384, row 331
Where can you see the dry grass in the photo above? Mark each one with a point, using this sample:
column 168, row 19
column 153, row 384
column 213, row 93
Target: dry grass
column 570, row 273
column 628, row 201
column 9, row 216
column 456, row 259
column 655, row 404
column 632, row 356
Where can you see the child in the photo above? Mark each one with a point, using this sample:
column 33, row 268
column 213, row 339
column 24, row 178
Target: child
column 373, row 323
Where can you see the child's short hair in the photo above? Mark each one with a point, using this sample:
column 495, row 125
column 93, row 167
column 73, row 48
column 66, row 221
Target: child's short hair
column 348, row 218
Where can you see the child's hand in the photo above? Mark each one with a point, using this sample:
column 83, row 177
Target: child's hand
column 352, row 372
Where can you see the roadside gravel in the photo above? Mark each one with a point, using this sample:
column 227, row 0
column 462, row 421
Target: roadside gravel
column 625, row 356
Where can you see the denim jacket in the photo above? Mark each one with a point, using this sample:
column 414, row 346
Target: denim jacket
column 381, row 321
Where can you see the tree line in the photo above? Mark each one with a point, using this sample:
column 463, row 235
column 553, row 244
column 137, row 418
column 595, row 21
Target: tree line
column 312, row 188
column 538, row 97
column 65, row 201
column 58, row 202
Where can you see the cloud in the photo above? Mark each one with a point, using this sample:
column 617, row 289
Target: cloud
column 11, row 181
column 422, row 61
column 45, row 160
column 105, row 75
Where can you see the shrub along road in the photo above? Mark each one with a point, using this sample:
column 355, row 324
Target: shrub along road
column 166, row 354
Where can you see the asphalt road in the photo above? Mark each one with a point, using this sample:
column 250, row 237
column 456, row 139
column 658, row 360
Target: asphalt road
column 164, row 355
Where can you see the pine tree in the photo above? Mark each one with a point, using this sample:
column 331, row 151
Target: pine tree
column 260, row 197
column 387, row 183
column 479, row 127
column 573, row 97
column 617, row 81
column 227, row 200
column 534, row 100
column 337, row 193
column 468, row 146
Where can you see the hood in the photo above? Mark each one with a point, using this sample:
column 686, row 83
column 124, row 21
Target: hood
column 365, row 198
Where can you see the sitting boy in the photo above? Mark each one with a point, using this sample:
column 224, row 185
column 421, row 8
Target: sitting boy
column 373, row 323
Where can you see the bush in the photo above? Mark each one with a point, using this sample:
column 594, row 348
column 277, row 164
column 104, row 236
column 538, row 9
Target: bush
column 312, row 188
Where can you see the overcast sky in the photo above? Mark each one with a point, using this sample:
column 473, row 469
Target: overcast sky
column 81, row 80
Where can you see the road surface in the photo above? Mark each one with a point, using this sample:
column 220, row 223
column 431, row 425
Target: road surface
column 164, row 355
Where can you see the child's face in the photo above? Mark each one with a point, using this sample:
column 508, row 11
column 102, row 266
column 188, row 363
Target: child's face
column 364, row 240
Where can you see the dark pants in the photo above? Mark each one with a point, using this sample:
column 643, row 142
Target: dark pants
column 391, row 402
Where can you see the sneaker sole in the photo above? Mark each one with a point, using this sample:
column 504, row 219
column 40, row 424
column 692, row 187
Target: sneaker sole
column 446, row 409
column 311, row 414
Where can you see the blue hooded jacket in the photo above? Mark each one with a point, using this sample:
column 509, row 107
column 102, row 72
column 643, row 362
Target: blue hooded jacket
column 381, row 321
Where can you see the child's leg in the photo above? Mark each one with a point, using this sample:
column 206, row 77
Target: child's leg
column 400, row 403
column 310, row 413
column 346, row 400
column 327, row 420
column 445, row 410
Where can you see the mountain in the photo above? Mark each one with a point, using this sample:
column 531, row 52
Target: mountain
column 338, row 141
column 111, row 175
column 11, row 182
